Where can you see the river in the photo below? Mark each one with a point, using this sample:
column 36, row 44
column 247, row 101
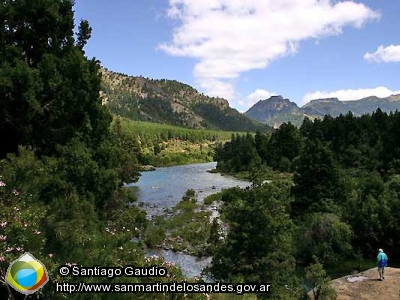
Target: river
column 164, row 188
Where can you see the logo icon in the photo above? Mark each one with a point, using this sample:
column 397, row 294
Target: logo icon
column 27, row 274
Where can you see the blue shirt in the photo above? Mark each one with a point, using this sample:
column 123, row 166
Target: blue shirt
column 382, row 259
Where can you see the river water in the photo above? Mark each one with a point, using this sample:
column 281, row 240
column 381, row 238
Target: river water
column 164, row 188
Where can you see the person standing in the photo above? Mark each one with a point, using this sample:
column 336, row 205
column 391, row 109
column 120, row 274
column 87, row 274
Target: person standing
column 382, row 259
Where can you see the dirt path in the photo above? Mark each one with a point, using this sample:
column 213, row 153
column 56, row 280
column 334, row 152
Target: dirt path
column 366, row 286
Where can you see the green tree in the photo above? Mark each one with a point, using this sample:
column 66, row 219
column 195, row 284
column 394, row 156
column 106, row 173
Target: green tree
column 284, row 143
column 319, row 281
column 258, row 247
column 83, row 34
column 315, row 181
column 214, row 238
column 49, row 90
column 65, row 180
column 122, row 153
column 369, row 212
column 261, row 142
column 256, row 171
column 326, row 236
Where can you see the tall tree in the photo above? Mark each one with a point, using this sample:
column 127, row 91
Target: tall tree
column 49, row 92
column 316, row 180
column 261, row 141
column 324, row 235
column 258, row 247
column 319, row 281
column 284, row 144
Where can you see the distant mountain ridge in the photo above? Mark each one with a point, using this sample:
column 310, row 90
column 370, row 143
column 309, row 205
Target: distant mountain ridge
column 277, row 110
column 335, row 107
column 170, row 102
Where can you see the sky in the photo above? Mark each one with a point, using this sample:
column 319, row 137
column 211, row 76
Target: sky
column 248, row 50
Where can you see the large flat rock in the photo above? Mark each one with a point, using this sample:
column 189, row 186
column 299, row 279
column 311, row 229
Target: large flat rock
column 367, row 286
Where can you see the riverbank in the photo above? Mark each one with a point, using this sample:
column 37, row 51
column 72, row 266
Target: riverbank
column 177, row 152
column 264, row 175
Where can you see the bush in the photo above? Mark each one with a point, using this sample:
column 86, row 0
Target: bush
column 154, row 236
column 212, row 198
column 186, row 205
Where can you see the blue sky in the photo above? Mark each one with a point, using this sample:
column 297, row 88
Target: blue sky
column 247, row 50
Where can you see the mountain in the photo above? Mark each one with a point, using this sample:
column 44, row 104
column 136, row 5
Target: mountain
column 276, row 110
column 265, row 110
column 170, row 102
column 335, row 107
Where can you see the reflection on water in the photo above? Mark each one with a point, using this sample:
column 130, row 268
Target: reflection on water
column 164, row 187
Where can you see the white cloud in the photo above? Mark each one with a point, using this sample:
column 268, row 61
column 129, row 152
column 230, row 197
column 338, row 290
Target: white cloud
column 384, row 54
column 258, row 94
column 344, row 95
column 218, row 88
column 229, row 37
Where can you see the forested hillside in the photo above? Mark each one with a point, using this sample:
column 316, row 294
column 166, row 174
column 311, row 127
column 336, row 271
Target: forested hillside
column 340, row 206
column 170, row 102
column 165, row 145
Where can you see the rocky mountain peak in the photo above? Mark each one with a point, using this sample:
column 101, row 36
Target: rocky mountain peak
column 267, row 109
